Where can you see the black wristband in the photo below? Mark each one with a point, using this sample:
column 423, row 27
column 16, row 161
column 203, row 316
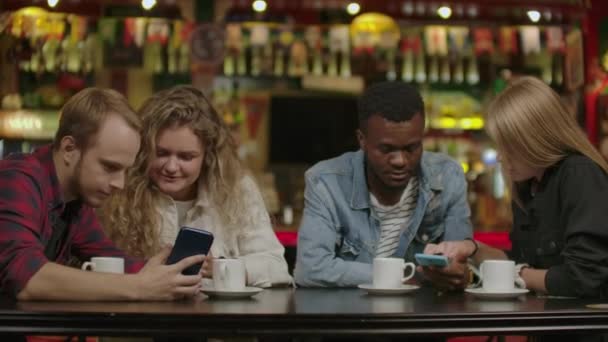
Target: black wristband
column 476, row 246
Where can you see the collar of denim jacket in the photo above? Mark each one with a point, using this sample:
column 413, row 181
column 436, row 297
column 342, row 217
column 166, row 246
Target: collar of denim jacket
column 431, row 172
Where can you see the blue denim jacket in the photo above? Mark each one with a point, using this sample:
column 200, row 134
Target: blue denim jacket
column 339, row 230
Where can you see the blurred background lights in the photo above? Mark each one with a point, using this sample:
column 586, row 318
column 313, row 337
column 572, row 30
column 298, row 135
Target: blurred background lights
column 534, row 16
column 353, row 8
column 259, row 5
column 444, row 12
column 148, row 4
column 489, row 156
column 407, row 8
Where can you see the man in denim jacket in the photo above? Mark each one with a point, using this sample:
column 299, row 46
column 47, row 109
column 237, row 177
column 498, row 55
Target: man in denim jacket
column 359, row 206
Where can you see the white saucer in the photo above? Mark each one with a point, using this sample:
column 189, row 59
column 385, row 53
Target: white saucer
column 405, row 288
column 245, row 293
column 481, row 293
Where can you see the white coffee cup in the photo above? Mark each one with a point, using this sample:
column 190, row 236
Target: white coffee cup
column 388, row 272
column 105, row 264
column 498, row 275
column 229, row 274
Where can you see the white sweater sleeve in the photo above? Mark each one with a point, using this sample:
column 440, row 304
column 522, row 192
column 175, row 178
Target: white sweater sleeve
column 258, row 245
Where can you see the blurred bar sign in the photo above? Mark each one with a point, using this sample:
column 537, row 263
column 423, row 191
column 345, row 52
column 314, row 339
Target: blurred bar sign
column 22, row 124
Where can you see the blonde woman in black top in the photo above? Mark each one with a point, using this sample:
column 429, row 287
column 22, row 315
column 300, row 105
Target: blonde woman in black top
column 559, row 186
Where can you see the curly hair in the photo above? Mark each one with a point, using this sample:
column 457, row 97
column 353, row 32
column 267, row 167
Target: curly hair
column 131, row 217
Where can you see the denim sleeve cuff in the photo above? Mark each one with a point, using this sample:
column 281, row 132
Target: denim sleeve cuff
column 357, row 274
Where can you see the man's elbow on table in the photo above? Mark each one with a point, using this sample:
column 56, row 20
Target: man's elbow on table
column 307, row 276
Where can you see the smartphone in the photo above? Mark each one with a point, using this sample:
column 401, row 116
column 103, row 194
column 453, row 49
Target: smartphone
column 436, row 260
column 190, row 241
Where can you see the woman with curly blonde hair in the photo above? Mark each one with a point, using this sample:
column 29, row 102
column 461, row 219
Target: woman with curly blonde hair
column 559, row 183
column 187, row 173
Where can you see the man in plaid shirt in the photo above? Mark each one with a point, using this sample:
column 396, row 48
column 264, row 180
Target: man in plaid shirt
column 46, row 211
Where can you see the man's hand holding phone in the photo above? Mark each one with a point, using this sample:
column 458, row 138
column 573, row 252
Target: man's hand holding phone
column 176, row 272
column 207, row 269
column 191, row 241
column 157, row 281
column 454, row 276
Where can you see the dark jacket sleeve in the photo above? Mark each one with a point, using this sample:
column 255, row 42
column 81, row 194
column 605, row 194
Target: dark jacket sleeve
column 584, row 272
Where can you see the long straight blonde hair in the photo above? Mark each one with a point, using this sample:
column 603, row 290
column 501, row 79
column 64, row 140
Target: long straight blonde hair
column 529, row 122
column 130, row 217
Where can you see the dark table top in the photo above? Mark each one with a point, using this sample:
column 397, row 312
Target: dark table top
column 305, row 311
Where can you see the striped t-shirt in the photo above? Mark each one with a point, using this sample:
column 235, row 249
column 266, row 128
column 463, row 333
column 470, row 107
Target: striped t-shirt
column 394, row 218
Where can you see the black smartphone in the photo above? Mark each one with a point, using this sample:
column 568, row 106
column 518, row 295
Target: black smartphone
column 190, row 241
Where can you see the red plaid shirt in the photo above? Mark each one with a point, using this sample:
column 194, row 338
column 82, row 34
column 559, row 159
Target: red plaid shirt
column 30, row 204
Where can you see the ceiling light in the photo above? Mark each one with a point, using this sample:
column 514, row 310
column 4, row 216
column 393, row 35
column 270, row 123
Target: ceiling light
column 444, row 12
column 259, row 5
column 353, row 8
column 148, row 4
column 534, row 16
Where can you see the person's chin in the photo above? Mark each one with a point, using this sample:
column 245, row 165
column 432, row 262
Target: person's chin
column 93, row 202
column 170, row 189
column 396, row 183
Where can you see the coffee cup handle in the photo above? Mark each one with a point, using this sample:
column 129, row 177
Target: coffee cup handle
column 88, row 266
column 411, row 273
column 223, row 269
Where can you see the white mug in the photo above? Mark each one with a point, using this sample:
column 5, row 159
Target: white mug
column 388, row 272
column 498, row 275
column 229, row 274
column 105, row 264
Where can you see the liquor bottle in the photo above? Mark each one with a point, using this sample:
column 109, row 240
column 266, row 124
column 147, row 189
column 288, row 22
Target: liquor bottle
column 317, row 62
column 547, row 68
column 559, row 70
column 332, row 69
column 472, row 72
column 345, row 64
column 256, row 60
column 279, row 65
column 459, row 71
column 229, row 63
column 420, row 67
column 241, row 62
column 434, row 69
column 445, row 70
column 407, row 66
